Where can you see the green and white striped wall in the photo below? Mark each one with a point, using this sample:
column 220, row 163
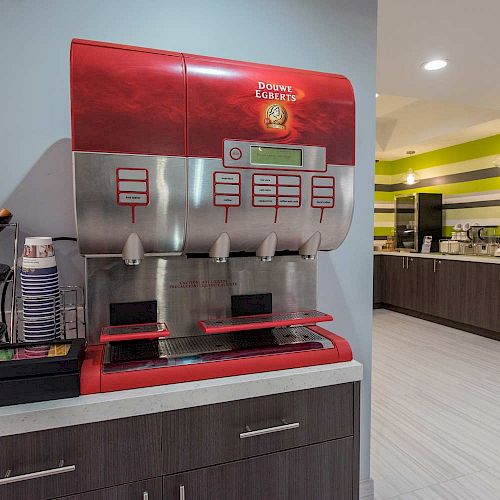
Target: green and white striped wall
column 465, row 174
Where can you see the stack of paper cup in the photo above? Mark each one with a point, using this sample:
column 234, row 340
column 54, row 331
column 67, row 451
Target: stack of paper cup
column 40, row 291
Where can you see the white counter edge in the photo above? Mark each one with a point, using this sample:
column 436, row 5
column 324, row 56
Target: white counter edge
column 465, row 258
column 30, row 417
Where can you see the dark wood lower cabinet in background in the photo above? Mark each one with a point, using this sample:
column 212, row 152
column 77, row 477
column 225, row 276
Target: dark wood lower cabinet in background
column 306, row 447
column 460, row 294
column 318, row 472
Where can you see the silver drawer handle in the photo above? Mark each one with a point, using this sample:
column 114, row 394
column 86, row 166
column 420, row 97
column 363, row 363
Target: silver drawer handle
column 182, row 493
column 259, row 432
column 145, row 496
column 35, row 475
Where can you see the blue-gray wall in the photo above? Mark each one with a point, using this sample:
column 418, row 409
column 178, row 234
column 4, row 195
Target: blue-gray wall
column 35, row 168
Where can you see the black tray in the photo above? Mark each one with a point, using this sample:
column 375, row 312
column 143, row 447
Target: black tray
column 42, row 378
column 15, row 391
column 55, row 365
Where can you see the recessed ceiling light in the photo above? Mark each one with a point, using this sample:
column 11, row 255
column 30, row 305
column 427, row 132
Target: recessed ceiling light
column 435, row 64
column 376, row 95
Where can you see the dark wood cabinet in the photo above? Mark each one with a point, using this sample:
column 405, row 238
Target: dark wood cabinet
column 449, row 290
column 378, row 285
column 225, row 432
column 482, row 295
column 319, row 472
column 403, row 280
column 295, row 446
column 103, row 454
column 394, row 279
column 142, row 490
column 461, row 294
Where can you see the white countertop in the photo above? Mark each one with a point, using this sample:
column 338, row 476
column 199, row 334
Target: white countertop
column 31, row 417
column 437, row 255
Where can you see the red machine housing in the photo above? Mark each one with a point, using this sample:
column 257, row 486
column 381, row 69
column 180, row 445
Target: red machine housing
column 135, row 100
column 132, row 100
column 94, row 380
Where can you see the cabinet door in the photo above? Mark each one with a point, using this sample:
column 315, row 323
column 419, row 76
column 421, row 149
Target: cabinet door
column 377, row 280
column 144, row 490
column 420, row 286
column 317, row 472
column 225, row 432
column 482, row 295
column 408, row 282
column 394, row 270
column 449, row 301
column 81, row 458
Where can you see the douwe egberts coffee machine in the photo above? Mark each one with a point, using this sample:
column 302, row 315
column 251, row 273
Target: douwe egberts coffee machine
column 204, row 189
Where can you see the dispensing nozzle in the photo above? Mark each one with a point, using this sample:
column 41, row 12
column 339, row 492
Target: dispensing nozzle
column 310, row 248
column 219, row 251
column 267, row 248
column 133, row 251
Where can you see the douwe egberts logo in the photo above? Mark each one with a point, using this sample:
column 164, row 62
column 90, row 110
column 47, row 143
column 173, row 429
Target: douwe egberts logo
column 276, row 116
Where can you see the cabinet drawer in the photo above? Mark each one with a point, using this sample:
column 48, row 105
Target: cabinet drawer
column 318, row 472
column 214, row 434
column 93, row 455
column 143, row 490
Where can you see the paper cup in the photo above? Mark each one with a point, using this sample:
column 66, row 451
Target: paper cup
column 36, row 264
column 41, row 271
column 38, row 247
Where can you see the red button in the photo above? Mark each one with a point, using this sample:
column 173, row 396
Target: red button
column 235, row 153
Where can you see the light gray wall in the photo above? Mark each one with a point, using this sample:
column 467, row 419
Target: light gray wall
column 35, row 168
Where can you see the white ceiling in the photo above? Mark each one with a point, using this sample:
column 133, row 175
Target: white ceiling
column 424, row 110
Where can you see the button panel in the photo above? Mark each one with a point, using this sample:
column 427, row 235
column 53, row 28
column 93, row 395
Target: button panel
column 226, row 201
column 288, row 191
column 322, row 203
column 265, row 190
column 289, row 180
column 288, row 202
column 137, row 186
column 324, row 181
column 227, row 189
column 264, row 179
column 235, row 153
column 266, row 187
column 264, row 201
column 133, row 198
column 322, row 192
column 223, row 178
column 132, row 186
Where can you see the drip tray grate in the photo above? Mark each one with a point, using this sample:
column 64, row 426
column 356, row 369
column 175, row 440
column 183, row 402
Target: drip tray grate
column 178, row 347
column 259, row 321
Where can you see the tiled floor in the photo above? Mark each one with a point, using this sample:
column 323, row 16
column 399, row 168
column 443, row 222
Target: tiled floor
column 435, row 411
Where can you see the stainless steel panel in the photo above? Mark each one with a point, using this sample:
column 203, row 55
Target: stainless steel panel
column 313, row 157
column 248, row 225
column 103, row 226
column 188, row 290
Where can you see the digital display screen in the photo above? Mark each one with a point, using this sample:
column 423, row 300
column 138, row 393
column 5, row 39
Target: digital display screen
column 264, row 155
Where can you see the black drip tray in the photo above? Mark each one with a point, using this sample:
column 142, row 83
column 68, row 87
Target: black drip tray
column 174, row 351
column 133, row 350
